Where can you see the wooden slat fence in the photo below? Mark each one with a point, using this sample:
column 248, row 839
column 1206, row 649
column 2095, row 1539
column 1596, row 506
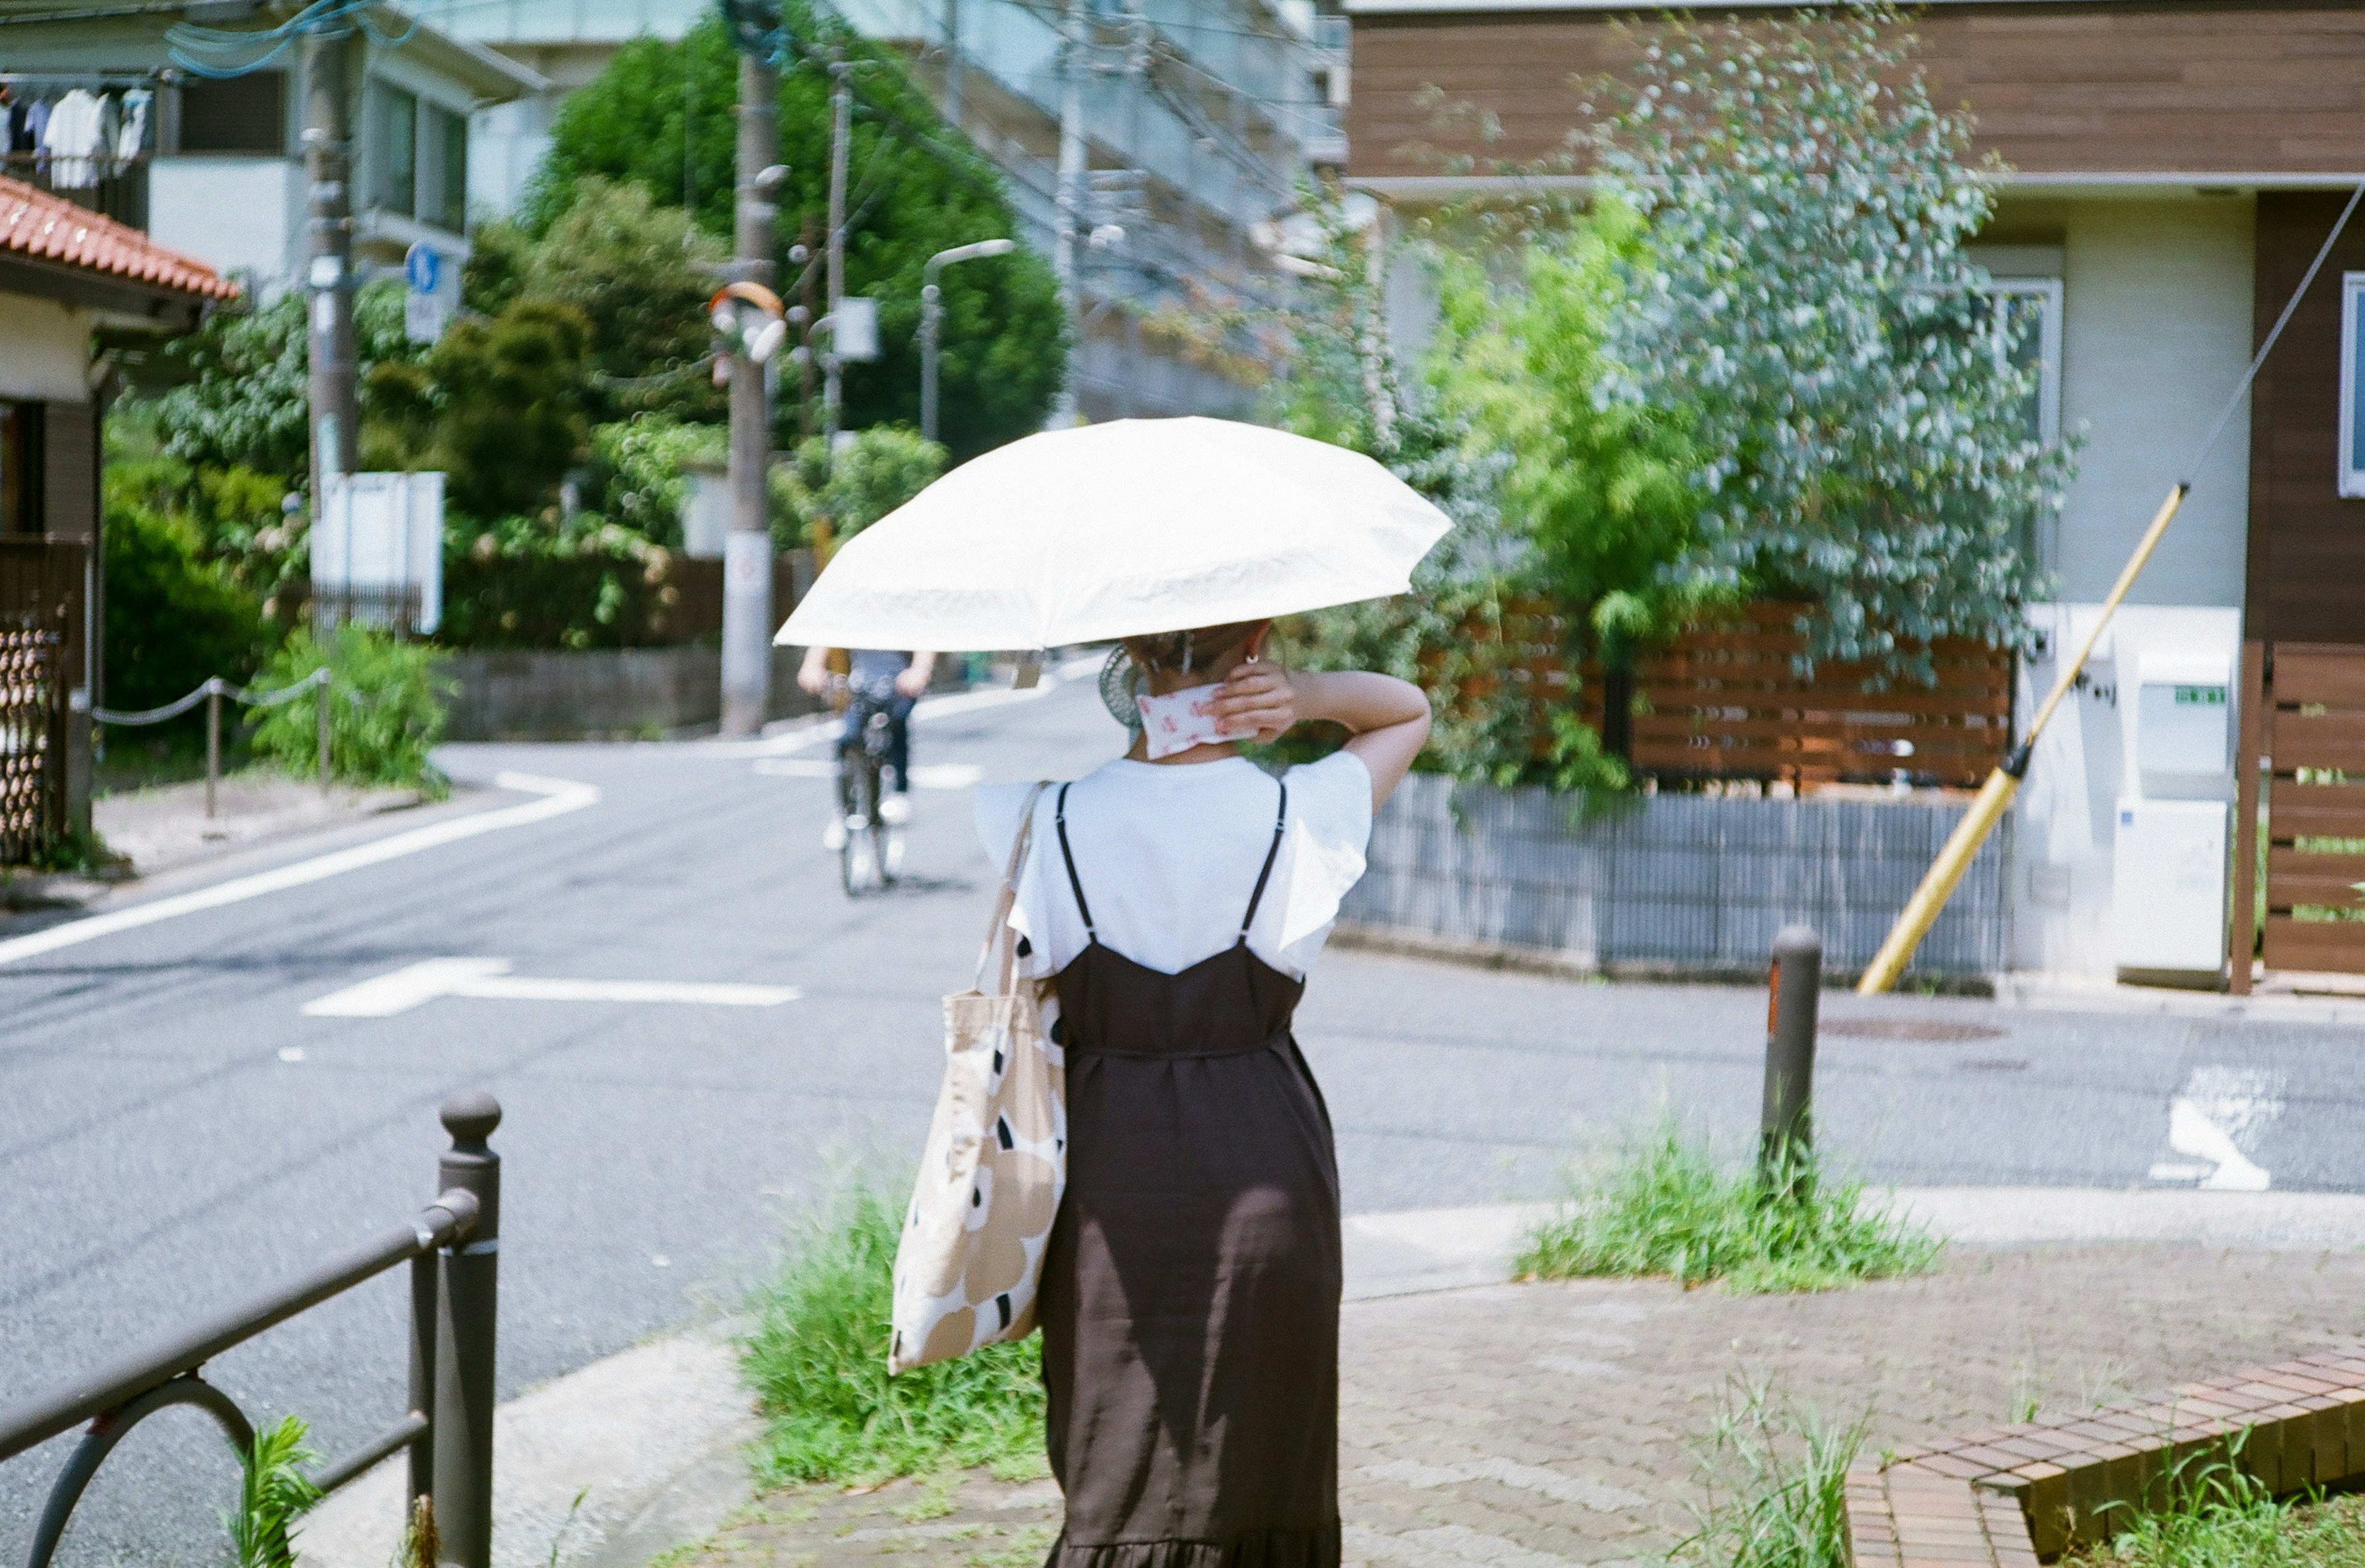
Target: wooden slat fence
column 2304, row 733
column 1727, row 702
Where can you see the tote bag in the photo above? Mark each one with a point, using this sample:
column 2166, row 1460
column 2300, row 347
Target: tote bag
column 970, row 1258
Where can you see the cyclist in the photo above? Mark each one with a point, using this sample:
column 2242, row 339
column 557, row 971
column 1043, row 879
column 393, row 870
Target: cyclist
column 878, row 680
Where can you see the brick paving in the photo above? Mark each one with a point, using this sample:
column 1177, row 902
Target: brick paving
column 1540, row 1426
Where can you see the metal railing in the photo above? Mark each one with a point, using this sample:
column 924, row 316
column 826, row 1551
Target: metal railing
column 211, row 694
column 452, row 1247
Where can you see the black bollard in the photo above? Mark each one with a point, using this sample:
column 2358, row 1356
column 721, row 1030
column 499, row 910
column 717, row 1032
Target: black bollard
column 464, row 1341
column 1786, row 1127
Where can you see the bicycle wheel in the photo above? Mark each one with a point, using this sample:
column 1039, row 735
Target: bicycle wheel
column 857, row 860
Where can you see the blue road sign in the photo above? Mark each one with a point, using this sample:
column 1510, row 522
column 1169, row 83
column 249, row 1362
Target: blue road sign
column 424, row 267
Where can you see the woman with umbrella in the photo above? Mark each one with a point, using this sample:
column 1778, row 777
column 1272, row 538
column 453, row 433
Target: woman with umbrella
column 1190, row 1293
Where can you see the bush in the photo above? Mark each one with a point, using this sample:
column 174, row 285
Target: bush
column 172, row 618
column 854, row 486
column 385, row 712
column 1663, row 1207
column 555, row 582
column 641, row 469
column 1776, row 1488
column 817, row 1360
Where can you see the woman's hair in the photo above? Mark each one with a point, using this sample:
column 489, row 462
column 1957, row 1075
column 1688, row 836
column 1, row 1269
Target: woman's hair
column 1179, row 653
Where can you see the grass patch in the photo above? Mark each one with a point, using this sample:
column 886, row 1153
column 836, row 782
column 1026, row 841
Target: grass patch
column 817, row 1360
column 1777, row 1487
column 1663, row 1207
column 2218, row 1517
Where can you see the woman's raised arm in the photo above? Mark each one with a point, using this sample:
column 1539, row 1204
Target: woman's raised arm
column 1387, row 718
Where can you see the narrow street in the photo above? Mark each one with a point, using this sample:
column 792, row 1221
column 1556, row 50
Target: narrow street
column 181, row 1130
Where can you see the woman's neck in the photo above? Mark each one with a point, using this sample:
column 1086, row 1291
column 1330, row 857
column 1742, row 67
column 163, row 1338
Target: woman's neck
column 1166, row 684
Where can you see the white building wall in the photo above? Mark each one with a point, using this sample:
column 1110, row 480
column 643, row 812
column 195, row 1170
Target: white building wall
column 236, row 215
column 44, row 351
column 2156, row 331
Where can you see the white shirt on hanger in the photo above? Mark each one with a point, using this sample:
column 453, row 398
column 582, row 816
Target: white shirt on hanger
column 72, row 137
column 1168, row 854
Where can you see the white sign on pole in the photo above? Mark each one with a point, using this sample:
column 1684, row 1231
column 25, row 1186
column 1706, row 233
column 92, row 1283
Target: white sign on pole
column 434, row 293
column 379, row 541
column 855, row 328
column 705, row 513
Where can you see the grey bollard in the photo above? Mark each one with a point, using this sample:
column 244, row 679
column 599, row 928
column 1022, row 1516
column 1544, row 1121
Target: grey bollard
column 321, row 724
column 1785, row 1126
column 213, row 744
column 464, row 1316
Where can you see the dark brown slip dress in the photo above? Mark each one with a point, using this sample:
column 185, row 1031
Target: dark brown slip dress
column 1190, row 1298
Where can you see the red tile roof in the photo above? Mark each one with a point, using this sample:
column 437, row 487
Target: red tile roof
column 49, row 228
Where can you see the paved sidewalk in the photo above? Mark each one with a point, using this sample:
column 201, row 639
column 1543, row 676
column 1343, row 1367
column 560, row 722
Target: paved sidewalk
column 1537, row 1426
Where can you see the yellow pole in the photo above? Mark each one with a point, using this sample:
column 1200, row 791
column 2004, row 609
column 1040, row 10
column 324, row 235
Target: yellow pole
column 1938, row 883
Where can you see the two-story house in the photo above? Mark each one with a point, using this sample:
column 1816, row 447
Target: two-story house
column 2173, row 167
column 214, row 167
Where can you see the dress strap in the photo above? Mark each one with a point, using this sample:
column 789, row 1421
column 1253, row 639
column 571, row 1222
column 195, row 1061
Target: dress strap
column 1060, row 818
column 1270, row 855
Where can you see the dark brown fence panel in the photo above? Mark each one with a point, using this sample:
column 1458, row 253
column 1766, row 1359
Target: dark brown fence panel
column 2307, row 731
column 32, row 736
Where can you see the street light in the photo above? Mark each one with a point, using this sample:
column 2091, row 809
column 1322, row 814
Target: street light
column 931, row 320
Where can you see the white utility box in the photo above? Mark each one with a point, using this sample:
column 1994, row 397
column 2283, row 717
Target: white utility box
column 705, row 511
column 378, row 547
column 2167, row 887
column 2168, row 864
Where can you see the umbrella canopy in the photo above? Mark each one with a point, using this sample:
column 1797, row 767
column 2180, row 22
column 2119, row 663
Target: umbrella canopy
column 1121, row 530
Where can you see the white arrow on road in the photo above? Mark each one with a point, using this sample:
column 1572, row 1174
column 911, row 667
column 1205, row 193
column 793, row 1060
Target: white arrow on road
column 404, row 989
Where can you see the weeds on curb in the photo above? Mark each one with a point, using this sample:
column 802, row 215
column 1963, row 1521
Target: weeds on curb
column 817, row 1362
column 1663, row 1207
column 1777, row 1487
column 2217, row 1517
column 273, row 1493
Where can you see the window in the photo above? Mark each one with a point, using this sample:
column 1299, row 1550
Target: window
column 2352, row 387
column 2022, row 319
column 394, row 143
column 444, row 199
column 246, row 114
column 20, row 468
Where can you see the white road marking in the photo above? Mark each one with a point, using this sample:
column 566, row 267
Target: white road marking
column 383, row 996
column 2218, row 1119
column 559, row 796
column 937, row 776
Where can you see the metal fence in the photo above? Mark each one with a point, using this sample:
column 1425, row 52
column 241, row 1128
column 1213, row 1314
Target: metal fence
column 452, row 1247
column 1679, row 883
column 32, row 735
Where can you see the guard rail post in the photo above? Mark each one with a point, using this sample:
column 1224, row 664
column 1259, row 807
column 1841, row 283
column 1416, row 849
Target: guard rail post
column 321, row 721
column 213, row 742
column 463, row 1460
column 1785, row 1126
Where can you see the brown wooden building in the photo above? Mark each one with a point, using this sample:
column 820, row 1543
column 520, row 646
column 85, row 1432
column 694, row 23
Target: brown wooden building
column 2174, row 165
column 67, row 276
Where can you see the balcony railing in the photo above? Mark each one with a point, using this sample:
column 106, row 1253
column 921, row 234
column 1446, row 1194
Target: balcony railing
column 109, row 185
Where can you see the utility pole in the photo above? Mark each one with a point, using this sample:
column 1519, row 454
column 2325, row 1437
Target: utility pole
column 747, row 551
column 841, row 113
column 329, row 271
column 807, row 405
column 1071, row 200
column 953, row 84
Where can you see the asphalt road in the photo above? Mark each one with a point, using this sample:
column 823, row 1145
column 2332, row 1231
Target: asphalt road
column 176, row 1131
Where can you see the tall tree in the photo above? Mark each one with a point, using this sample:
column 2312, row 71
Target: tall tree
column 660, row 116
column 1862, row 434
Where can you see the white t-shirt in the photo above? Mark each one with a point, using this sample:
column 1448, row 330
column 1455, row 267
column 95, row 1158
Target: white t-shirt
column 1169, row 854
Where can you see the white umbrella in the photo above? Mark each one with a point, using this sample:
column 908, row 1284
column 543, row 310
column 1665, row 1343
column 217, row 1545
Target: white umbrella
column 1121, row 530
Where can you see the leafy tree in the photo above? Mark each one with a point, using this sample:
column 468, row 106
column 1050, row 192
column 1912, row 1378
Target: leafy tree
column 639, row 470
column 660, row 116
column 173, row 617
column 511, row 421
column 1862, row 440
column 640, row 273
column 849, row 490
column 1601, row 489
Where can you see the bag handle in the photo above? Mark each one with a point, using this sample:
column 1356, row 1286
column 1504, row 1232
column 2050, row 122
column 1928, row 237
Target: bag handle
column 1008, row 898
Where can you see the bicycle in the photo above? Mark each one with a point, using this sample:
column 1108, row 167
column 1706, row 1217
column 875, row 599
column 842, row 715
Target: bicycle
column 871, row 855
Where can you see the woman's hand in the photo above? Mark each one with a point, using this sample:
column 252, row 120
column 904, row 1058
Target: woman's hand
column 1259, row 701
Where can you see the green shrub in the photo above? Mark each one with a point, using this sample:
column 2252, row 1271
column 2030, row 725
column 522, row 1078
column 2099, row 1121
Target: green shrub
column 550, row 581
column 855, row 486
column 1663, row 1207
column 172, row 618
column 2218, row 1516
column 385, row 712
column 817, row 1360
column 642, row 465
